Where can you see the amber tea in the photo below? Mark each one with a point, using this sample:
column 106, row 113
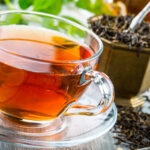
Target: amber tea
column 27, row 92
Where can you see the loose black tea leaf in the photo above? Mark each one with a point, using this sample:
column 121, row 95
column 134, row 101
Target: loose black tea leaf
column 132, row 128
column 113, row 29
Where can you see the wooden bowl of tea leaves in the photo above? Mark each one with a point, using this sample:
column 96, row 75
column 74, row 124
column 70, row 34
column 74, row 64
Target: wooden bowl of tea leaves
column 126, row 55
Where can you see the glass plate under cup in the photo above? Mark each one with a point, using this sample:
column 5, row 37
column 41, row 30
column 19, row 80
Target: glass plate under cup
column 75, row 130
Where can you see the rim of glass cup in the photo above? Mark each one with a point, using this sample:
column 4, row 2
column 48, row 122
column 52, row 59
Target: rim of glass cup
column 94, row 56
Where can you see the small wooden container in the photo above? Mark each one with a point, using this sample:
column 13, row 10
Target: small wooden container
column 129, row 73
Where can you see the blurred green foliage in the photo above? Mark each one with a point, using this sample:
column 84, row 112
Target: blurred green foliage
column 11, row 19
column 55, row 7
column 24, row 4
column 48, row 6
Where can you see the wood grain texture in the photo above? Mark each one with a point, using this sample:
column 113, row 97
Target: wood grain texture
column 129, row 73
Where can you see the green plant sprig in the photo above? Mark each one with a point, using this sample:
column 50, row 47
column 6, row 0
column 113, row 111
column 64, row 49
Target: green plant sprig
column 55, row 6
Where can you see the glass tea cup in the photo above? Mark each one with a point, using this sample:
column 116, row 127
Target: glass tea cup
column 35, row 91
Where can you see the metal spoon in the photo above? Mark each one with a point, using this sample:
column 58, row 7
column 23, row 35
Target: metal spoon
column 138, row 18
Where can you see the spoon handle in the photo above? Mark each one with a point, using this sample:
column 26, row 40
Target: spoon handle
column 138, row 19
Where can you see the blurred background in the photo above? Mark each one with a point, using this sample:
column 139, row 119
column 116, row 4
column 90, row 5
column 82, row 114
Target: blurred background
column 79, row 10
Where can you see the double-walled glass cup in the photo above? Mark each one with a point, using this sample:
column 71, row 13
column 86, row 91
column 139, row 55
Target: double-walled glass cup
column 69, row 79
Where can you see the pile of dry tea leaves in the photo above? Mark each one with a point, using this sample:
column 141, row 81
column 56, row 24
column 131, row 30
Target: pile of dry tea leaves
column 113, row 29
column 132, row 128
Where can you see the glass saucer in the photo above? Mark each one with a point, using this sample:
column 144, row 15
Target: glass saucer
column 75, row 130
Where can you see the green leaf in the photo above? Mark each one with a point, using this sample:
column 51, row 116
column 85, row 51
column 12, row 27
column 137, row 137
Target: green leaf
column 24, row 4
column 48, row 6
column 75, row 32
column 9, row 4
column 11, row 19
column 63, row 27
column 49, row 23
column 72, row 19
column 42, row 4
column 67, row 1
column 99, row 7
column 85, row 4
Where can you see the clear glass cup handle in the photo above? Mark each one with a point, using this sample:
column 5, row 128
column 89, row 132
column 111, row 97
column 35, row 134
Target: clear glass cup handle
column 106, row 88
